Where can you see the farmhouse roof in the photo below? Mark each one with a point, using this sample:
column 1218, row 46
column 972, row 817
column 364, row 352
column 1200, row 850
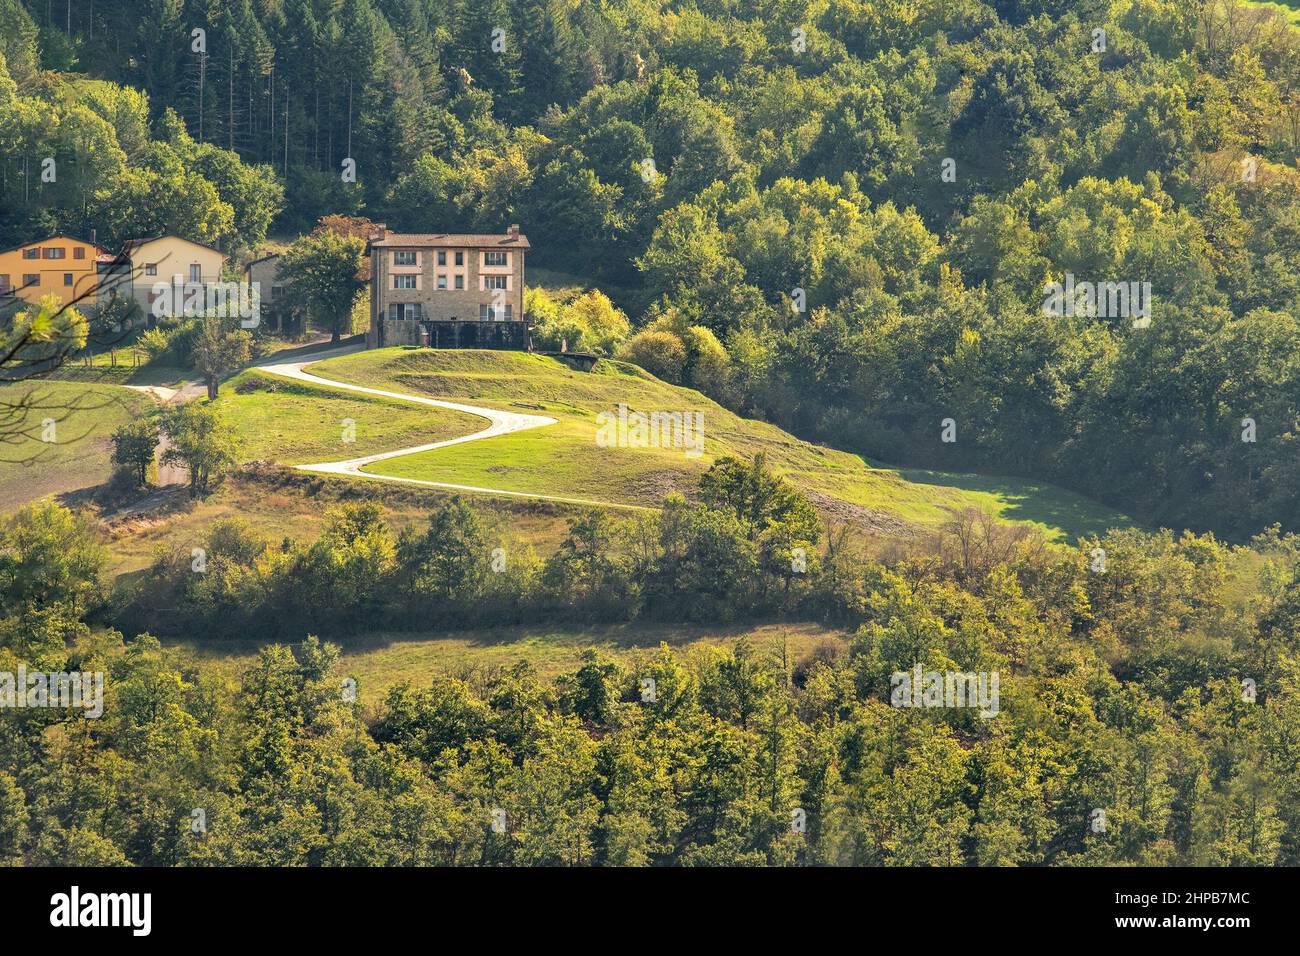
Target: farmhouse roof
column 453, row 240
column 134, row 244
column 62, row 235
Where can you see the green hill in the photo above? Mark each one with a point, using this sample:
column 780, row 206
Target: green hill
column 296, row 423
column 566, row 458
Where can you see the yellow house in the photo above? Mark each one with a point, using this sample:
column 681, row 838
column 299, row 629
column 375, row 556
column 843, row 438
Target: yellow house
column 60, row 266
column 172, row 261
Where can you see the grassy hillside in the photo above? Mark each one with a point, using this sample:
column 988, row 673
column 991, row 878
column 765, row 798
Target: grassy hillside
column 278, row 420
column 84, row 417
column 297, row 423
column 565, row 459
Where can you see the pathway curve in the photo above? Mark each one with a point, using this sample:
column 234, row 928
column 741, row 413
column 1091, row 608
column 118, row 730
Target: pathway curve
column 502, row 423
column 170, row 474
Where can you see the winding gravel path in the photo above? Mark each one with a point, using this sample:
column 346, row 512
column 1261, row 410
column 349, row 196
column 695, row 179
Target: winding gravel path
column 502, row 423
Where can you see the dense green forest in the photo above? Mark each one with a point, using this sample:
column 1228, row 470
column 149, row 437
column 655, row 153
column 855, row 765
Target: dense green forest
column 1146, row 714
column 862, row 202
column 844, row 217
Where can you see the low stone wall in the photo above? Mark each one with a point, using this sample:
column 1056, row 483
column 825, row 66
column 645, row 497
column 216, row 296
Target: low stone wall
column 403, row 332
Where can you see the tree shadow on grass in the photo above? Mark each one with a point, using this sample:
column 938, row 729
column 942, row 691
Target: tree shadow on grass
column 1026, row 500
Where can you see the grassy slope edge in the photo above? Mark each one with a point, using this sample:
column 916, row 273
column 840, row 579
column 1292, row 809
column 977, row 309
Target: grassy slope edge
column 564, row 459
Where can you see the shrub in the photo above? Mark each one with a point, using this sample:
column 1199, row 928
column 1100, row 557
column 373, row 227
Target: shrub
column 660, row 353
column 154, row 343
column 589, row 323
column 709, row 366
column 170, row 342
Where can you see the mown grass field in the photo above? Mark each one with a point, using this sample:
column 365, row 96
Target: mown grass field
column 79, row 457
column 296, row 423
column 565, row 459
column 100, row 370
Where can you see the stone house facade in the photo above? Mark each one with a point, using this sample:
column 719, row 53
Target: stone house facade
column 448, row 290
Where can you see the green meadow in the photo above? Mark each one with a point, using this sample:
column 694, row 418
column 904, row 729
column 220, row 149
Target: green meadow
column 296, row 423
column 565, row 459
column 79, row 453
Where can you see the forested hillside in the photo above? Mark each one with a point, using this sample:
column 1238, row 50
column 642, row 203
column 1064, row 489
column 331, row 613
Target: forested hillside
column 861, row 202
column 1057, row 240
column 1142, row 714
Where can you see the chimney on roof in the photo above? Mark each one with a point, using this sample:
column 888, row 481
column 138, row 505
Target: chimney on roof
column 513, row 231
column 92, row 237
column 378, row 231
